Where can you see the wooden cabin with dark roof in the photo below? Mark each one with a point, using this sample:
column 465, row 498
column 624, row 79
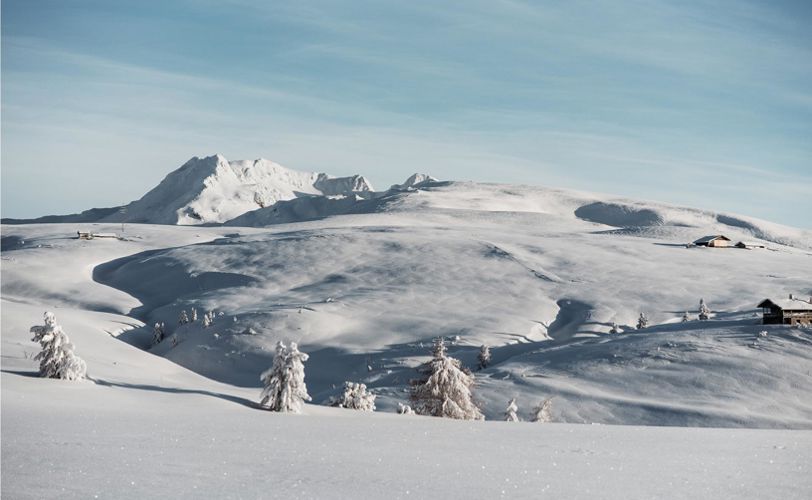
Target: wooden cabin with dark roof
column 716, row 240
column 789, row 311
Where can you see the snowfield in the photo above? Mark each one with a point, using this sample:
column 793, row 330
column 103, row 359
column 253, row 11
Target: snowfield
column 364, row 281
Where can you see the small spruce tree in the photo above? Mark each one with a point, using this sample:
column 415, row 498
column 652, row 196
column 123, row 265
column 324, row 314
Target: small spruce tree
column 183, row 318
column 642, row 321
column 704, row 311
column 484, row 357
column 445, row 388
column 510, row 411
column 158, row 333
column 685, row 317
column 56, row 360
column 194, row 314
column 355, row 397
column 615, row 328
column 543, row 412
column 405, row 409
column 285, row 388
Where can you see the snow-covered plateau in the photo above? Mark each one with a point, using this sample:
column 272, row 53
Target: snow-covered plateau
column 363, row 282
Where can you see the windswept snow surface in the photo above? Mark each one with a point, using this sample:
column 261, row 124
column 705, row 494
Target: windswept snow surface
column 524, row 270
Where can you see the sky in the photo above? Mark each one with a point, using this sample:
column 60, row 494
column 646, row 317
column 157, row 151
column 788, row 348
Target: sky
column 699, row 103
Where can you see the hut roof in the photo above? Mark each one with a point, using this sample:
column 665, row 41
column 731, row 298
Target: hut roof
column 708, row 239
column 787, row 304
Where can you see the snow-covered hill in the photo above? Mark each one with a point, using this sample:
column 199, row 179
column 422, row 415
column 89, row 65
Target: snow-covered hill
column 364, row 282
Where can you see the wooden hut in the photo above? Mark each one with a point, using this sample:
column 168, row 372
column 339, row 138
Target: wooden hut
column 789, row 311
column 716, row 240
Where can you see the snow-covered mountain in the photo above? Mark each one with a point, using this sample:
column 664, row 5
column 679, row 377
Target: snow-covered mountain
column 213, row 190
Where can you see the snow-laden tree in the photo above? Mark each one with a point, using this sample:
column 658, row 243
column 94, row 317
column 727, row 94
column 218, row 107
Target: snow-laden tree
column 704, row 311
column 208, row 319
column 158, row 332
column 642, row 321
column 510, row 411
column 685, row 317
column 405, row 409
column 445, row 388
column 285, row 388
column 615, row 328
column 56, row 360
column 194, row 314
column 484, row 357
column 183, row 318
column 355, row 397
column 544, row 411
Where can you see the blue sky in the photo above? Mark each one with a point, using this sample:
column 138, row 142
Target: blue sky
column 702, row 103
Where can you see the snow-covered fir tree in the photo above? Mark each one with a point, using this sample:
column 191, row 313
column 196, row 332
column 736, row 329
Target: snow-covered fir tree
column 543, row 412
column 445, row 388
column 642, row 321
column 484, row 357
column 704, row 311
column 685, row 317
column 57, row 359
column 285, row 388
column 355, row 397
column 194, row 314
column 405, row 409
column 510, row 411
column 207, row 320
column 158, row 332
column 614, row 329
column 183, row 318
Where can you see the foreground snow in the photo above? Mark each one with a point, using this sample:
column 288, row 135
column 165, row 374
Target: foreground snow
column 144, row 427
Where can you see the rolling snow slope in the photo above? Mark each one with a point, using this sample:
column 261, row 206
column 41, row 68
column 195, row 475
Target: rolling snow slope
column 363, row 284
column 144, row 426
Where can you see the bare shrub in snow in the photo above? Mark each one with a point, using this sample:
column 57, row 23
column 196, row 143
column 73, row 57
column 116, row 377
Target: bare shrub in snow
column 704, row 311
column 484, row 357
column 56, row 360
column 183, row 318
column 355, row 397
column 642, row 321
column 158, row 332
column 544, row 411
column 510, row 411
column 685, row 317
column 405, row 409
column 285, row 388
column 445, row 388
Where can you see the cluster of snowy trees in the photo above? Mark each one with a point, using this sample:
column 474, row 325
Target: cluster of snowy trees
column 159, row 332
column 543, row 412
column 443, row 390
column 642, row 321
column 56, row 359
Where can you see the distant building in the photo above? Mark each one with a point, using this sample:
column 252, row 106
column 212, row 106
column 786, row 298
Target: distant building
column 750, row 244
column 789, row 311
column 87, row 235
column 713, row 241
